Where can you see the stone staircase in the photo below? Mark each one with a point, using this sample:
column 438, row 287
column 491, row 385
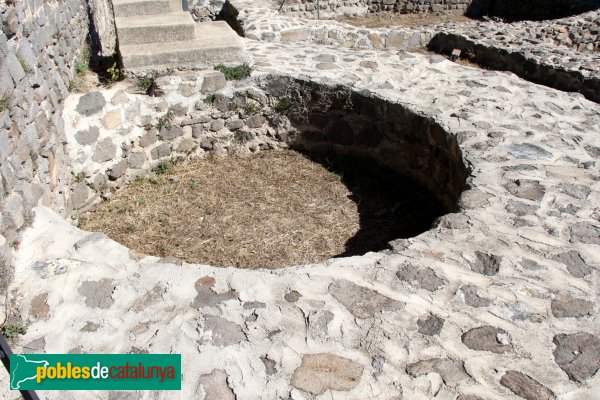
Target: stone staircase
column 157, row 35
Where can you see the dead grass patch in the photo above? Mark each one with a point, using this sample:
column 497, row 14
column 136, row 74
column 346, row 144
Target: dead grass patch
column 84, row 82
column 388, row 19
column 270, row 210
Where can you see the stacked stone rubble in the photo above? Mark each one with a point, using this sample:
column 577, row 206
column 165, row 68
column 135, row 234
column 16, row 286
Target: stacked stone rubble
column 38, row 45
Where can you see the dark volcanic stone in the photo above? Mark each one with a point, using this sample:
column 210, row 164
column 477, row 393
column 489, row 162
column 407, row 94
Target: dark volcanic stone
column 568, row 306
column 487, row 338
column 520, row 208
column 486, row 264
column 451, row 371
column 580, row 192
column 292, row 296
column 526, row 189
column 577, row 354
column 362, row 302
column 207, row 297
column 575, row 263
column 90, row 103
column 432, row 325
column 118, row 170
column 529, row 152
column 526, row 387
column 105, row 151
column 425, row 278
column 584, row 232
column 472, row 298
column 88, row 136
column 171, row 132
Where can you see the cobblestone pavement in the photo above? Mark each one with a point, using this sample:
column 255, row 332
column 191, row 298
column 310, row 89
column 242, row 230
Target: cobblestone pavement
column 497, row 301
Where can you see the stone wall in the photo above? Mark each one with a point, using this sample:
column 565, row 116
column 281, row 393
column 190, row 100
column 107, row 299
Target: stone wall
column 205, row 10
column 118, row 134
column 336, row 8
column 115, row 135
column 103, row 35
column 336, row 119
column 511, row 10
column 327, row 8
column 419, row 6
column 38, row 47
column 545, row 65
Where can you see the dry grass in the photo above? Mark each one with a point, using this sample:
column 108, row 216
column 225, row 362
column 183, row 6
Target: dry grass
column 269, row 210
column 84, row 82
column 386, row 19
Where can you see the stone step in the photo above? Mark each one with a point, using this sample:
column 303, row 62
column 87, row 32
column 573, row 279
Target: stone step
column 215, row 43
column 132, row 8
column 143, row 29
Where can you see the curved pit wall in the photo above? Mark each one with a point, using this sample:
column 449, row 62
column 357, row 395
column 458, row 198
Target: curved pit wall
column 293, row 113
column 533, row 69
column 334, row 119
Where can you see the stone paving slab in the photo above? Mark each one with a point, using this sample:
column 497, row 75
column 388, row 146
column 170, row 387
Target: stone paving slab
column 478, row 307
column 559, row 53
column 511, row 131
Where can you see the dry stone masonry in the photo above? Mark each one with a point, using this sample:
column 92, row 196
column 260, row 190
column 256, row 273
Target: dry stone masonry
column 498, row 300
column 548, row 52
column 39, row 44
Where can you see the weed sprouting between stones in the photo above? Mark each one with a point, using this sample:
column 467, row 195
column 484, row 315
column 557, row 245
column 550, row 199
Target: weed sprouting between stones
column 234, row 73
column 165, row 121
column 4, row 103
column 162, row 168
column 14, row 330
column 251, row 107
column 285, row 104
column 81, row 66
column 145, row 82
column 114, row 74
column 209, row 99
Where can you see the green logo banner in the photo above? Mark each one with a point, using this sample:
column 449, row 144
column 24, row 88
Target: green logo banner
column 95, row 372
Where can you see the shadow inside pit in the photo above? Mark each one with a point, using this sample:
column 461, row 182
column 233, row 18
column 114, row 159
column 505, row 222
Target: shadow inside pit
column 390, row 206
column 533, row 10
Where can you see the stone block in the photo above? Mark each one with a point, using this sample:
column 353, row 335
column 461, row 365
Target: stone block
column 161, row 151
column 118, row 170
column 213, row 81
column 295, row 35
column 395, row 41
column 112, row 119
column 13, row 213
column 90, row 104
column 171, row 132
column 80, row 195
column 136, row 159
column 88, row 136
column 105, row 151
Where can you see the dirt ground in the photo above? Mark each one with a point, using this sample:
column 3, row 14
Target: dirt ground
column 270, row 210
column 386, row 19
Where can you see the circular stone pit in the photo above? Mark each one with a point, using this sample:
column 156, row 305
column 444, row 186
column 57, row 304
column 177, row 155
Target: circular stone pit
column 449, row 313
column 372, row 172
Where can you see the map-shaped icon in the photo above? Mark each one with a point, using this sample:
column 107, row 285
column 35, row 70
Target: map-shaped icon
column 23, row 369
